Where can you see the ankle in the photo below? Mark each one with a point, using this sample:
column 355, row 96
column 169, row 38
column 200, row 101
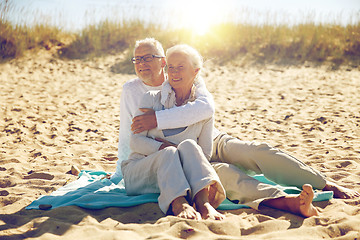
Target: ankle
column 178, row 204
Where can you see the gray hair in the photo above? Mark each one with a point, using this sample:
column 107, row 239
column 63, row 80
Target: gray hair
column 195, row 57
column 152, row 42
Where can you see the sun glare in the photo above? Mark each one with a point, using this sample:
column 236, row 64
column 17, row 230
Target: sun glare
column 200, row 15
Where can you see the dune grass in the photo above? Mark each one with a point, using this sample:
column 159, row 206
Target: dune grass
column 16, row 39
column 266, row 43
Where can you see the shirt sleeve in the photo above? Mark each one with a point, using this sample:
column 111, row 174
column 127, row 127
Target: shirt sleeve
column 125, row 126
column 192, row 112
column 140, row 142
column 205, row 138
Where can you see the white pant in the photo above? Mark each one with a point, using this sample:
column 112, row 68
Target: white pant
column 172, row 172
column 245, row 189
column 261, row 158
column 234, row 159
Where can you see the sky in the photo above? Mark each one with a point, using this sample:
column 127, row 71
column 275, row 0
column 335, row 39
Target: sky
column 75, row 14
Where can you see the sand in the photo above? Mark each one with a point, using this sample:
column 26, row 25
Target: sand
column 58, row 113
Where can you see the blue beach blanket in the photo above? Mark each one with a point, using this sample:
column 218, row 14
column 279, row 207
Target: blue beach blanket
column 92, row 191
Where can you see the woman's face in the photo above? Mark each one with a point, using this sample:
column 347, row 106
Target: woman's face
column 181, row 73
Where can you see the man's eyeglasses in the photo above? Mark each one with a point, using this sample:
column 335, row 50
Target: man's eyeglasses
column 146, row 58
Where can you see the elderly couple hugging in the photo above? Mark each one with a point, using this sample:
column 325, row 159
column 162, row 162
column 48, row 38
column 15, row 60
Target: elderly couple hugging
column 168, row 145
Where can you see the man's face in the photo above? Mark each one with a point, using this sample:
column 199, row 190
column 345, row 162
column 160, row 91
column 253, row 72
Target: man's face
column 151, row 73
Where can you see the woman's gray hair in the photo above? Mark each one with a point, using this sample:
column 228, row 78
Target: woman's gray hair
column 153, row 42
column 195, row 57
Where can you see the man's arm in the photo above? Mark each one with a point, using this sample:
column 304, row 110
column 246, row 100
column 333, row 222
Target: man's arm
column 140, row 142
column 188, row 114
column 125, row 122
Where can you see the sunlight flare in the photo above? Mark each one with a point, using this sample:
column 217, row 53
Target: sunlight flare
column 200, row 15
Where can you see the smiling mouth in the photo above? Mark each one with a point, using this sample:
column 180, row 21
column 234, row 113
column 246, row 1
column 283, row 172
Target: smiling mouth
column 176, row 79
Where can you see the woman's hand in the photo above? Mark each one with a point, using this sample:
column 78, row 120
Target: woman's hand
column 165, row 143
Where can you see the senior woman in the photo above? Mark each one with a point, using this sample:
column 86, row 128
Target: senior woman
column 175, row 162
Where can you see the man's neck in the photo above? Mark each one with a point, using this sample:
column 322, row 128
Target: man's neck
column 157, row 81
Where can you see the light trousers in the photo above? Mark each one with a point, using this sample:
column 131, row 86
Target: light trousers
column 173, row 172
column 258, row 158
column 245, row 189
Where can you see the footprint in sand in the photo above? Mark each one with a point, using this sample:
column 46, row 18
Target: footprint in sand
column 4, row 183
column 4, row 193
column 45, row 176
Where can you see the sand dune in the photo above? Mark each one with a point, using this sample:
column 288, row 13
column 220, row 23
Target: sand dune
column 58, row 113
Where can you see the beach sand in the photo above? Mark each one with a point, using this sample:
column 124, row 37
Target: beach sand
column 58, row 113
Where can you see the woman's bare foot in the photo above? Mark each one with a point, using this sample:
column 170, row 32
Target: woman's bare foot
column 209, row 212
column 206, row 210
column 340, row 192
column 181, row 208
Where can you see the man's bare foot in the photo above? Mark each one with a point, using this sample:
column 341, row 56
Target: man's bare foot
column 298, row 204
column 305, row 200
column 209, row 212
column 181, row 208
column 340, row 192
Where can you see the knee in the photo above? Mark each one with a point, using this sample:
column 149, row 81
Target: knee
column 170, row 155
column 187, row 144
column 169, row 151
column 262, row 146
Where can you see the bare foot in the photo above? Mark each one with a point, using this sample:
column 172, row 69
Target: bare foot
column 181, row 208
column 298, row 204
column 306, row 196
column 341, row 192
column 209, row 212
column 206, row 210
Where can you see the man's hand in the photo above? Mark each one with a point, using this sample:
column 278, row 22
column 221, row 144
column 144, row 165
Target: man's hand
column 144, row 122
column 165, row 143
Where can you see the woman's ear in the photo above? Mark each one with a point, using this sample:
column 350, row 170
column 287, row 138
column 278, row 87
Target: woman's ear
column 197, row 70
column 163, row 62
